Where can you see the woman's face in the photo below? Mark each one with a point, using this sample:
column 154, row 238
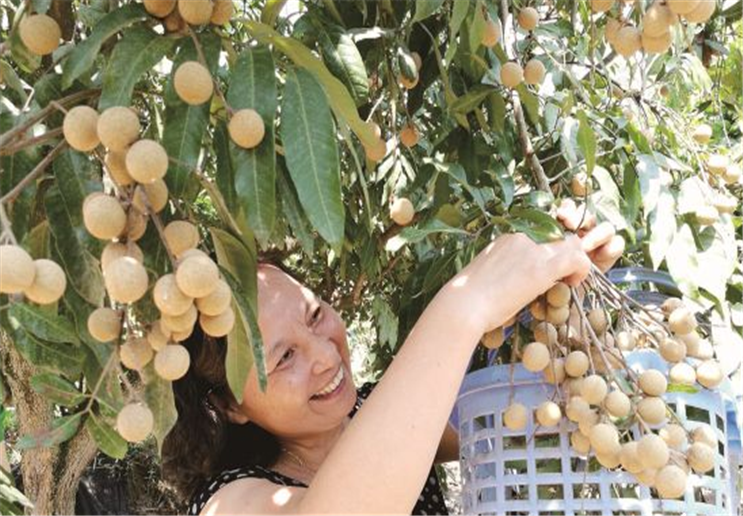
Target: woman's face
column 305, row 345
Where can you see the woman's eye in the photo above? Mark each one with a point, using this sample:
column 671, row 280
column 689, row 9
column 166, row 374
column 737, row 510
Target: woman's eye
column 316, row 315
column 289, row 352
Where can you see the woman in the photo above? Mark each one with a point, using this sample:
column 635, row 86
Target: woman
column 307, row 444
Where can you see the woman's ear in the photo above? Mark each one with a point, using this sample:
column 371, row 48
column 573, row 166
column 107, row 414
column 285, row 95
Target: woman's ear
column 230, row 408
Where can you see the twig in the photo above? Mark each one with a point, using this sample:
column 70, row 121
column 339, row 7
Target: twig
column 36, row 172
column 36, row 140
column 6, row 230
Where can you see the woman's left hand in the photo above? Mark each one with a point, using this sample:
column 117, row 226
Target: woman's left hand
column 601, row 242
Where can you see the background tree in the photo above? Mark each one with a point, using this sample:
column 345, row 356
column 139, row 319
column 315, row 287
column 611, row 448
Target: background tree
column 375, row 147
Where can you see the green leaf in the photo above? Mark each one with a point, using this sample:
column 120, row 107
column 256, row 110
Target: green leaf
column 76, row 179
column 22, row 56
column 293, row 211
column 680, row 387
column 662, row 224
column 57, row 390
column 43, row 325
column 648, row 173
column 459, row 13
column 158, row 394
column 536, row 224
column 425, row 8
column 530, row 103
column 62, row 429
column 719, row 257
column 97, row 357
column 587, row 141
column 60, row 358
column 253, row 85
column 496, row 112
column 477, row 27
column 186, row 125
column 607, row 198
column 139, row 50
column 387, row 323
column 472, row 99
column 11, row 79
column 225, row 170
column 271, row 11
column 344, row 61
column 107, row 439
column 340, row 100
column 311, row 151
column 682, row 261
column 84, row 53
column 413, row 235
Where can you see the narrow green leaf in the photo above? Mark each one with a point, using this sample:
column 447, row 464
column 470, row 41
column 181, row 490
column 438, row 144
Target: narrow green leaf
column 648, row 173
column 271, row 11
column 472, row 99
column 459, row 13
column 62, row 429
column 536, row 224
column 253, row 85
column 83, row 55
column 293, row 211
column 107, row 439
column 96, row 357
column 344, row 60
column 11, row 79
column 158, row 394
column 426, row 8
column 61, row 358
column 413, row 235
column 530, row 103
column 76, row 179
column 682, row 261
column 42, row 324
column 308, row 134
column 662, row 225
column 139, row 50
column 225, row 170
column 587, row 141
column 476, row 27
column 56, row 389
column 496, row 111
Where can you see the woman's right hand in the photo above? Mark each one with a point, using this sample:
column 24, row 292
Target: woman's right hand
column 509, row 273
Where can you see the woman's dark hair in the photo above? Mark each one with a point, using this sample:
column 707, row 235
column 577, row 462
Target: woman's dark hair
column 203, row 441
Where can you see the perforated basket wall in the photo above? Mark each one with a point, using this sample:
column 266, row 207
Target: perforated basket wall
column 535, row 471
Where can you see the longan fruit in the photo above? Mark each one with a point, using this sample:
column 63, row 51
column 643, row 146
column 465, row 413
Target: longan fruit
column 656, row 44
column 576, row 364
column 126, row 280
column 536, row 357
column 407, row 83
column 701, row 457
column 617, row 404
column 702, row 12
column 158, row 336
column 534, row 72
column 717, row 164
column 493, row 339
column 709, row 374
column 135, row 422
column 181, row 235
column 604, row 439
column 545, row 333
column 402, row 211
column 674, row 435
column 193, row 83
column 558, row 294
column 594, row 389
column 49, row 283
column 222, row 12
column 703, row 350
column 159, row 8
column 168, row 298
column 682, row 6
column 490, row 34
column 114, row 250
column 246, row 128
column 180, row 336
column 528, row 18
column 146, row 161
column 670, row 482
column 40, row 34
column 172, row 362
column 217, row 301
column 725, row 203
column 375, row 129
column 682, row 321
column 612, row 29
column 625, row 341
column 548, row 413
column 598, row 321
column 706, row 215
column 652, row 410
column 672, row 350
column 601, row 6
column 80, row 128
column 576, row 408
column 731, row 176
column 135, row 353
column 181, row 322
column 192, row 253
column 538, row 309
column 417, row 60
column 682, row 373
column 197, row 276
column 652, row 451
column 136, row 225
column 702, row 134
column 653, row 382
column 628, row 41
column 658, row 19
column 103, row 216
column 554, row 373
column 511, row 74
column 580, row 184
column 116, row 165
column 17, row 269
column 218, row 325
column 195, row 12
column 704, row 434
column 104, row 324
column 377, row 151
column 118, row 127
column 646, row 477
column 174, row 22
column 409, row 135
column 156, row 194
column 587, row 421
column 629, row 459
column 671, row 304
column 515, row 417
column 580, row 443
column 558, row 315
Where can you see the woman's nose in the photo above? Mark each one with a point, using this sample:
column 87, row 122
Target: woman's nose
column 324, row 355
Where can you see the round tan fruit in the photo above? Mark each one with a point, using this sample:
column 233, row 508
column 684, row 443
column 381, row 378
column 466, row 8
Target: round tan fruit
column 604, row 439
column 701, row 457
column 103, row 216
column 536, row 357
column 652, row 451
column 158, row 336
column 625, row 341
column 682, row 321
column 725, row 203
column 558, row 294
column 617, row 404
column 182, row 322
column 40, row 33
column 511, row 74
column 126, row 280
column 658, row 19
column 671, row 304
column 136, row 353
column 682, row 6
column 172, row 362
column 197, row 276
column 114, row 250
column 493, row 339
column 545, row 333
column 670, row 482
column 136, row 225
column 216, row 302
column 135, row 422
column 709, row 374
column 706, row 215
column 17, row 269
column 417, row 60
column 576, row 408
column 80, row 128
column 580, row 184
column 246, row 128
column 613, row 27
column 652, row 410
column 154, row 194
column 534, row 72
column 168, row 298
column 598, row 321
column 377, row 151
column 732, row 176
column 222, row 13
column 580, row 443
column 146, row 161
column 528, row 18
column 409, row 135
column 180, row 336
column 646, row 477
column 588, row 421
column 656, row 44
column 402, row 211
column 601, row 6
column 408, row 84
column 628, row 41
column 193, row 83
column 704, row 434
column 558, row 315
column 195, row 12
column 629, row 458
column 515, row 417
column 672, row 350
column 653, row 382
column 104, row 324
column 718, row 164
column 180, row 236
column 554, row 373
column 174, row 22
column 548, row 413
column 594, row 389
column 218, row 325
column 538, row 309
column 702, row 133
column 49, row 283
column 674, row 435
column 576, row 364
column 682, row 373
column 702, row 12
column 118, row 127
column 116, row 166
column 159, row 8
column 375, row 129
column 490, row 34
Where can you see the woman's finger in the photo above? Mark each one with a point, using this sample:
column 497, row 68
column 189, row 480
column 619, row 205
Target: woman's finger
column 574, row 217
column 598, row 236
column 607, row 255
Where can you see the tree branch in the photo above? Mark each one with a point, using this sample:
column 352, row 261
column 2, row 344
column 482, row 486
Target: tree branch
column 36, row 172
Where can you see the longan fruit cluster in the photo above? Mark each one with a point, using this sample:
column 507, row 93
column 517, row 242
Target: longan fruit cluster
column 176, row 13
column 377, row 150
column 42, row 281
column 512, row 74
